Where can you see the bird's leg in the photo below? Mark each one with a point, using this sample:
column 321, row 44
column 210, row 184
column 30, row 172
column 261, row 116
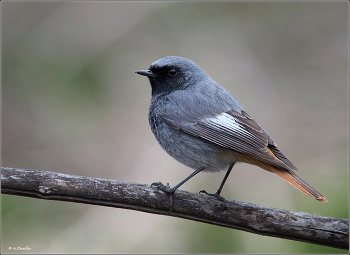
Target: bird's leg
column 217, row 193
column 171, row 191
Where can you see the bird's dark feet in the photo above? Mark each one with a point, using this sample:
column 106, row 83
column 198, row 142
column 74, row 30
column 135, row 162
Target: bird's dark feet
column 217, row 195
column 166, row 189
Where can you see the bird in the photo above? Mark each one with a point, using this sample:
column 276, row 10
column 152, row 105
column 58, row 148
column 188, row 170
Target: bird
column 200, row 124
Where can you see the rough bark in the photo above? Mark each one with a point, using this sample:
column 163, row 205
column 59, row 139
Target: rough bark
column 328, row 231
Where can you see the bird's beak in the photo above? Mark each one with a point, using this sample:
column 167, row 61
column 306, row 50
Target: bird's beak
column 147, row 73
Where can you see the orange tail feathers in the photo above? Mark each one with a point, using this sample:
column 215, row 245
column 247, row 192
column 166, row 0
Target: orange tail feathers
column 297, row 182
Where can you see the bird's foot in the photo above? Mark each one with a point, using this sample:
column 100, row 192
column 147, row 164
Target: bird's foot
column 166, row 189
column 217, row 195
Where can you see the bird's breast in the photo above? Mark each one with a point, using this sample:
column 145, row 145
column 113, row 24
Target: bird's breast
column 189, row 150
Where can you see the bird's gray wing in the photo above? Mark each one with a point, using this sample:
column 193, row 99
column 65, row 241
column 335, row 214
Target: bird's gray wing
column 230, row 129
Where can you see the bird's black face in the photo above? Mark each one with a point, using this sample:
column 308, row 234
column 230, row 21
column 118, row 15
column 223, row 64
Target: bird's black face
column 164, row 79
column 170, row 74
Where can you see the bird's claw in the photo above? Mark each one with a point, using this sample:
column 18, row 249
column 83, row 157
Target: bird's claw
column 166, row 189
column 218, row 197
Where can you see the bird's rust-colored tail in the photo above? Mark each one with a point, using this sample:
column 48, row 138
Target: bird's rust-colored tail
column 296, row 181
column 286, row 174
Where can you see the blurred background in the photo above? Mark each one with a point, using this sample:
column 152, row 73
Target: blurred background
column 71, row 103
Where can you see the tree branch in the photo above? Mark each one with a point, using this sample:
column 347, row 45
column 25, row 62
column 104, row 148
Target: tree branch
column 328, row 231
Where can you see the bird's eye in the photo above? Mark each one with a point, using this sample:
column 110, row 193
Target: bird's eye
column 172, row 72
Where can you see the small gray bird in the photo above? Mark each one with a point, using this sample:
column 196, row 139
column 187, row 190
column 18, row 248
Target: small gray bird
column 200, row 124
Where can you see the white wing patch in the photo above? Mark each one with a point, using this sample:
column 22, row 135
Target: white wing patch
column 227, row 124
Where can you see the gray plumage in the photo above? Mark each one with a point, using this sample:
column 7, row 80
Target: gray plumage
column 184, row 118
column 200, row 124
